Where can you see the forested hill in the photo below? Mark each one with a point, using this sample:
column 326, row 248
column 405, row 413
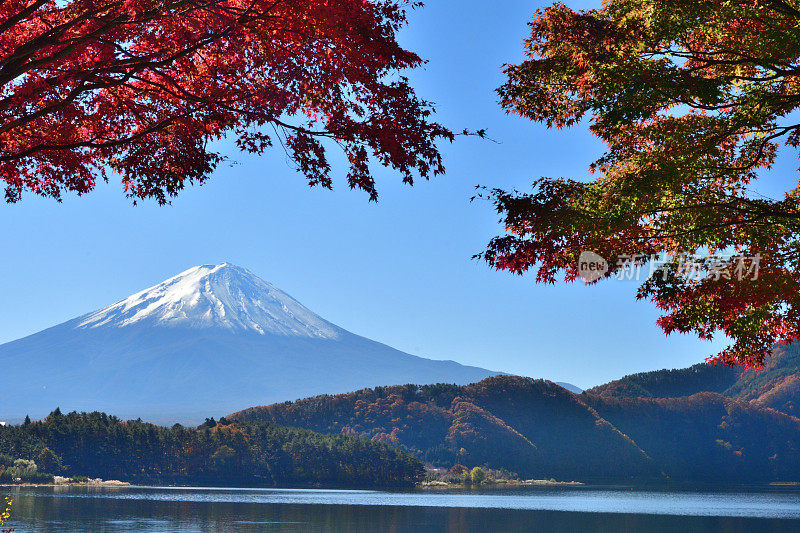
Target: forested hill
column 777, row 385
column 538, row 429
column 672, row 383
column 98, row 445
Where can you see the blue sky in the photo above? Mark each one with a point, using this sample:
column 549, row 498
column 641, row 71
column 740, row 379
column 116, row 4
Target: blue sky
column 399, row 271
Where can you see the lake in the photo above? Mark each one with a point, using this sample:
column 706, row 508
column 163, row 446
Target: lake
column 585, row 508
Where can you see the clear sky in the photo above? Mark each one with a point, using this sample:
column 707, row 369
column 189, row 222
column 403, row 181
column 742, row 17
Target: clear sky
column 399, row 271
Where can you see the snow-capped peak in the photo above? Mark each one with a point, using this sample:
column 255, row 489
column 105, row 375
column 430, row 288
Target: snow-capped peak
column 215, row 296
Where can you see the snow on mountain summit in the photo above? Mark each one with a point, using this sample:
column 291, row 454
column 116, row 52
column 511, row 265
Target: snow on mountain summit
column 215, row 296
column 211, row 340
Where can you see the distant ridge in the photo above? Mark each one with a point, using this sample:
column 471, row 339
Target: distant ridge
column 776, row 386
column 674, row 383
column 570, row 387
column 208, row 341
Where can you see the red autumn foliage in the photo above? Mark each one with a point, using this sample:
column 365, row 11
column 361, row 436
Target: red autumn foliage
column 141, row 87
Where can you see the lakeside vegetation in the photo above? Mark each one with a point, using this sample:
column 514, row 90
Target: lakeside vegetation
column 460, row 477
column 16, row 470
column 259, row 454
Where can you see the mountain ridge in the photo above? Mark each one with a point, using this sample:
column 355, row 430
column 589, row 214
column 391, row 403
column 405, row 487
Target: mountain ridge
column 540, row 430
column 776, row 386
column 532, row 427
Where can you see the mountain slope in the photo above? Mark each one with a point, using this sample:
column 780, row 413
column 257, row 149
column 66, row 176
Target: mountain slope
column 777, row 385
column 539, row 429
column 208, row 341
column 708, row 437
column 533, row 427
column 671, row 383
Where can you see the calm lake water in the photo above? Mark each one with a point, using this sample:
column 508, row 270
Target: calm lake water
column 179, row 510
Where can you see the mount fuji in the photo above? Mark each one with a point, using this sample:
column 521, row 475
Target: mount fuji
column 209, row 341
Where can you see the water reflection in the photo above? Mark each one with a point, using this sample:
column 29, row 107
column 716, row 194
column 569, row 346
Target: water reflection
column 199, row 510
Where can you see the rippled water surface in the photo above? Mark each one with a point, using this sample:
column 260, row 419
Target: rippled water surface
column 180, row 510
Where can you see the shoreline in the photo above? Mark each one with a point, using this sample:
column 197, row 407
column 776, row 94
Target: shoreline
column 437, row 485
column 90, row 483
column 425, row 485
column 500, row 484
